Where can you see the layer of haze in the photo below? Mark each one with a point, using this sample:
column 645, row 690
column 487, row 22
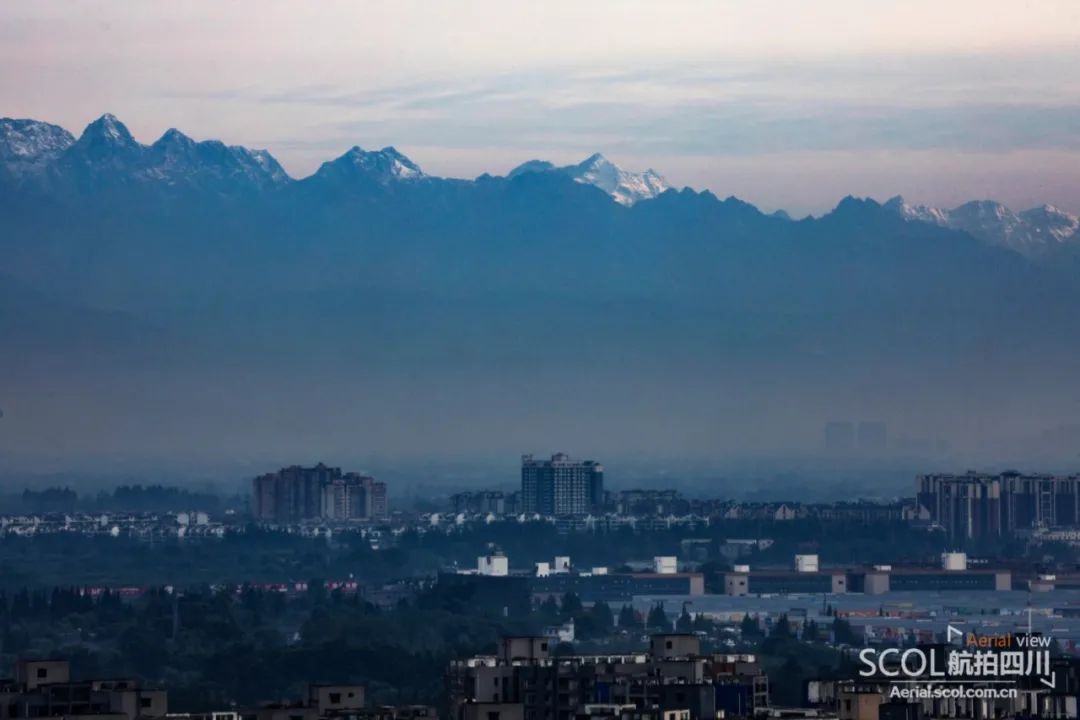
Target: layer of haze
column 783, row 103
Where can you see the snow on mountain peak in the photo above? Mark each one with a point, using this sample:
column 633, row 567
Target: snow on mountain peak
column 29, row 141
column 1054, row 222
column 401, row 166
column 109, row 129
column 625, row 187
column 382, row 165
column 1030, row 232
column 915, row 212
column 595, row 160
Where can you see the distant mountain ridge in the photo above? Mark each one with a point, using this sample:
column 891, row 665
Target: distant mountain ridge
column 46, row 156
column 42, row 156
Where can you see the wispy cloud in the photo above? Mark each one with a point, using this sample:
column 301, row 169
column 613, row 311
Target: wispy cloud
column 984, row 104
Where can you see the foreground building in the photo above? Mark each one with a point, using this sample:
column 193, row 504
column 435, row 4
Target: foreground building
column 874, row 698
column 561, row 486
column 44, row 688
column 527, row 681
column 323, row 702
column 296, row 493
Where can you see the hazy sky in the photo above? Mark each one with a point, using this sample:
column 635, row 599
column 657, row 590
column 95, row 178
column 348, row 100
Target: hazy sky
column 785, row 103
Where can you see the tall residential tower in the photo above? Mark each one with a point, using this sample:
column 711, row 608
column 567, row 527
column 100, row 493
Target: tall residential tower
column 561, row 486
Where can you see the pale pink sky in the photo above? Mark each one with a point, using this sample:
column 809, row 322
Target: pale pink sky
column 784, row 103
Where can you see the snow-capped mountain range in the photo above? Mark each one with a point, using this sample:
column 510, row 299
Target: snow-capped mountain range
column 37, row 152
column 40, row 155
column 1031, row 232
column 107, row 154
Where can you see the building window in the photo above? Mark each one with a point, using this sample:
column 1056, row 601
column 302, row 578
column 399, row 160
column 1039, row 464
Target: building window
column 335, row 697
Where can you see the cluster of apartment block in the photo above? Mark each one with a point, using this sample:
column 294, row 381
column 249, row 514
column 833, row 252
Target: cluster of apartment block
column 296, row 493
column 975, row 506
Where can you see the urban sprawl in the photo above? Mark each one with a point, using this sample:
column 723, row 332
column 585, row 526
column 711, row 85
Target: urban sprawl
column 686, row 621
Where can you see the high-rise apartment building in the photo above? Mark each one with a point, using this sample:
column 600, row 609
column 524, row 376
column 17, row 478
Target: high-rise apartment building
column 297, row 493
column 561, row 486
column 353, row 497
column 376, row 500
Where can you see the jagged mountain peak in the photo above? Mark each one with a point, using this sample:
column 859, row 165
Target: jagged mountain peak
column 985, row 208
column 383, row 166
column 173, row 137
column 1047, row 211
column 27, row 140
column 595, row 160
column 531, row 166
column 28, row 148
column 901, row 207
column 107, row 156
column 625, row 187
column 853, row 202
column 108, row 129
column 1054, row 222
